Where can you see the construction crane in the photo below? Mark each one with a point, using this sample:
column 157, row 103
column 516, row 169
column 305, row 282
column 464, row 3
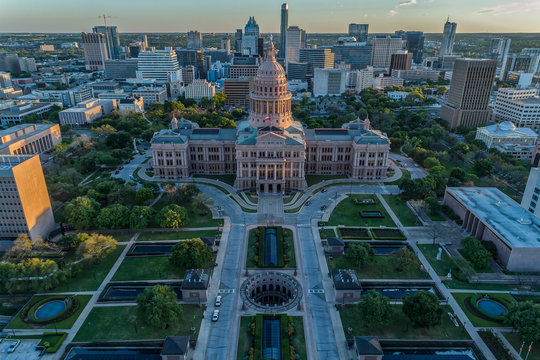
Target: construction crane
column 109, row 47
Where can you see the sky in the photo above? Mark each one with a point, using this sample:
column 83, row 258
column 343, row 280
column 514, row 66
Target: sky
column 495, row 16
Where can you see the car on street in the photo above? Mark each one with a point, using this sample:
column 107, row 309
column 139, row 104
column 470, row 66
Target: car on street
column 323, row 207
column 308, row 203
column 215, row 315
column 218, row 300
column 324, row 190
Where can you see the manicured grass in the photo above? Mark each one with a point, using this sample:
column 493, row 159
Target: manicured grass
column 327, row 233
column 194, row 215
column 402, row 211
column 15, row 301
column 288, row 237
column 121, row 323
column 475, row 320
column 315, row 179
column 121, row 236
column 227, row 179
column 91, row 276
column 176, row 235
column 400, row 326
column 18, row 323
column 299, row 340
column 348, row 213
column 381, row 267
column 287, row 199
column 441, row 267
column 148, row 268
column 515, row 340
column 456, row 284
column 243, row 338
column 253, row 199
column 252, row 250
column 436, row 217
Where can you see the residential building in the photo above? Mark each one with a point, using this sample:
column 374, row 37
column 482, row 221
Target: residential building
column 121, row 69
column 188, row 74
column 529, row 201
column 449, row 35
column 238, row 40
column 383, row 48
column 296, row 40
column 9, row 62
column 401, row 60
column 25, row 207
column 468, row 98
column 414, row 43
column 198, row 89
column 27, row 64
column 161, row 65
column 131, row 104
column 5, row 80
column 15, row 114
column 382, row 82
column 250, row 39
column 489, row 214
column 112, row 40
column 213, row 55
column 359, row 80
column 29, row 139
column 317, row 58
column 151, row 95
column 283, row 31
column 520, row 106
column 359, row 31
column 194, row 40
column 329, row 82
column 506, row 137
column 269, row 152
column 237, row 91
column 417, row 74
column 357, row 55
column 86, row 112
column 95, row 51
column 498, row 50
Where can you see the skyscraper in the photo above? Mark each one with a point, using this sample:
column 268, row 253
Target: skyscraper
column 296, row 40
column 415, row 44
column 238, row 40
column 283, row 30
column 468, row 98
column 161, row 65
column 400, row 61
column 449, row 35
column 112, row 40
column 383, row 48
column 251, row 37
column 194, row 40
column 226, row 44
column 95, row 50
column 499, row 50
column 317, row 58
column 359, row 31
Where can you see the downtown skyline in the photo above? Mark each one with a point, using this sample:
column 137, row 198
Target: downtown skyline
column 319, row 16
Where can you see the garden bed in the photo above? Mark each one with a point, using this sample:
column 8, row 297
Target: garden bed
column 354, row 233
column 284, row 247
column 388, row 234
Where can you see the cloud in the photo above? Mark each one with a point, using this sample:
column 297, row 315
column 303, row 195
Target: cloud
column 521, row 6
column 392, row 12
column 407, row 2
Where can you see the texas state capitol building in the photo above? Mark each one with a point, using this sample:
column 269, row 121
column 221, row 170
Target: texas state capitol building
column 270, row 152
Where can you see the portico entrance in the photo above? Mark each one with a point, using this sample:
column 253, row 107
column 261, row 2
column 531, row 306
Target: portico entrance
column 271, row 187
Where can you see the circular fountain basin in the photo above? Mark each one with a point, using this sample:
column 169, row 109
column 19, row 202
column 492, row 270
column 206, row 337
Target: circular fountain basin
column 492, row 307
column 50, row 309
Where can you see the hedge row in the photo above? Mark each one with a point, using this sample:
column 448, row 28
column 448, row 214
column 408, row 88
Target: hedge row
column 285, row 342
column 257, row 341
column 359, row 237
column 495, row 345
column 399, row 234
column 55, row 340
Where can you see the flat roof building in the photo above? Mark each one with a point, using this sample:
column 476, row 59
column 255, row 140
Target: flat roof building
column 29, row 139
column 520, row 106
column 86, row 112
column 151, row 95
column 489, row 214
column 531, row 194
column 383, row 48
column 506, row 137
column 16, row 113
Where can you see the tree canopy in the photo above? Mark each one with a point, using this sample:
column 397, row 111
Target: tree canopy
column 422, row 308
column 158, row 306
column 191, row 254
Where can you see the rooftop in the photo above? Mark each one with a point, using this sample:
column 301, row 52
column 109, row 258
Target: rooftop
column 508, row 128
column 196, row 279
column 346, row 280
column 28, row 129
column 175, row 345
column 502, row 214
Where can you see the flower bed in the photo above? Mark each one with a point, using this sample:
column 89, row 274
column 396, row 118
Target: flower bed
column 388, row 234
column 354, row 233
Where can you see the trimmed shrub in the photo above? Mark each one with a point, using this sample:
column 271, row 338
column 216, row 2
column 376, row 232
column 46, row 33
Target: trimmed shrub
column 354, row 233
column 388, row 234
column 52, row 341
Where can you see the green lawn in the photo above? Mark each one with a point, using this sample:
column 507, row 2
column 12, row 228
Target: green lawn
column 400, row 327
column 436, row 217
column 227, row 179
column 315, row 179
column 402, row 211
column 18, row 323
column 327, row 233
column 91, row 276
column 441, row 267
column 475, row 320
column 148, row 268
column 243, row 338
column 299, row 340
column 252, row 251
column 348, row 213
column 515, row 340
column 381, row 267
column 456, row 284
column 121, row 236
column 121, row 323
column 195, row 218
column 176, row 235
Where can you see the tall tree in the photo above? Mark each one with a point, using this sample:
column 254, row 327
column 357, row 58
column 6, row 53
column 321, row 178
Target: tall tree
column 81, row 212
column 21, row 249
column 422, row 308
column 114, row 216
column 524, row 317
column 375, row 309
column 158, row 306
column 96, row 247
column 140, row 217
column 144, row 195
column 191, row 254
column 172, row 216
column 405, row 259
column 359, row 253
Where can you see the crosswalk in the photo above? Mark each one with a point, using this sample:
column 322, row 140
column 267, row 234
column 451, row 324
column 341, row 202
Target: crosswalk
column 315, row 291
column 226, row 291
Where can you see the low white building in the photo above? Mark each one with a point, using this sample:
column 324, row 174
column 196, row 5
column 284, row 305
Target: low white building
column 397, row 95
column 359, row 80
column 198, row 89
column 506, row 137
column 151, row 95
column 520, row 106
column 382, row 82
column 329, row 82
column 125, row 106
column 86, row 112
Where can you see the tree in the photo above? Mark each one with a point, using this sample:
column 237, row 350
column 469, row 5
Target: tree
column 96, row 247
column 476, row 253
column 172, row 216
column 118, row 140
column 431, row 162
column 405, row 259
column 140, row 217
column 113, row 217
column 158, row 306
column 422, row 308
column 144, row 195
column 219, row 100
column 458, row 173
column 21, row 249
column 191, row 254
column 483, row 167
column 524, row 317
column 374, row 309
column 81, row 212
column 433, row 205
column 359, row 253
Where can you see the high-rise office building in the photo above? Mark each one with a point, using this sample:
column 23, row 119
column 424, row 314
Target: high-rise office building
column 296, row 40
column 5, row 80
column 414, row 43
column 250, row 39
column 359, row 31
column 498, row 50
column 401, row 60
column 143, row 39
column 533, row 52
column 226, row 45
column 161, row 65
column 27, row 64
column 357, row 55
column 28, row 210
column 238, row 40
column 297, row 71
column 10, row 62
column 194, row 40
column 192, row 57
column 283, row 30
column 112, row 40
column 317, row 58
column 95, row 50
column 329, row 82
column 449, row 35
column 121, row 69
column 383, row 48
column 468, row 98
column 521, row 63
